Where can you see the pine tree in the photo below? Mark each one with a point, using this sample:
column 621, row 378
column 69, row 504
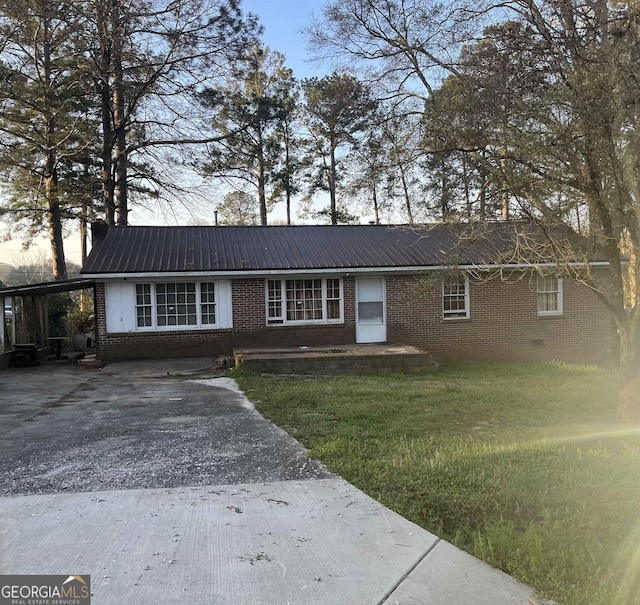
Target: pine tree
column 250, row 112
column 44, row 109
column 337, row 108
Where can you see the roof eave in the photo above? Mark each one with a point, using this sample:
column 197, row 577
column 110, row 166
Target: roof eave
column 335, row 270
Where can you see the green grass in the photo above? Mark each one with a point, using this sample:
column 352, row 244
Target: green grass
column 523, row 466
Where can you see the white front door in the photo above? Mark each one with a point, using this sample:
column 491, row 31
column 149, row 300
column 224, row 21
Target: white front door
column 370, row 310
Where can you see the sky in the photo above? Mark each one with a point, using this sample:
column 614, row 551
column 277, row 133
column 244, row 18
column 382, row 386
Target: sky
column 282, row 21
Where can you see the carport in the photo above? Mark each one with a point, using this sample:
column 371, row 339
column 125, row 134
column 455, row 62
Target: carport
column 31, row 325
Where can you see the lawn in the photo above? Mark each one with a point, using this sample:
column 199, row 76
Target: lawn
column 523, row 466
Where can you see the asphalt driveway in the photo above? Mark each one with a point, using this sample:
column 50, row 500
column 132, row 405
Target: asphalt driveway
column 77, row 430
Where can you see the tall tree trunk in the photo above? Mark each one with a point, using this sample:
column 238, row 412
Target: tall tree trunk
column 629, row 344
column 484, row 177
column 287, row 173
column 84, row 219
column 87, row 200
column 332, row 184
column 465, row 181
column 119, row 119
column 262, row 193
column 407, row 197
column 120, row 147
column 288, row 195
column 108, row 185
column 376, row 214
column 444, row 191
column 103, row 9
column 505, row 206
column 505, row 194
column 58, row 262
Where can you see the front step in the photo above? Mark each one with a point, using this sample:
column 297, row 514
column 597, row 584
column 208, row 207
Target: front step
column 90, row 361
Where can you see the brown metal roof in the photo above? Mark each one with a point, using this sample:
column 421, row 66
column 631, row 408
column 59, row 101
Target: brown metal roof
column 238, row 249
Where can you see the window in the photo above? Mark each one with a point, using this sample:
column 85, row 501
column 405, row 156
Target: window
column 333, row 299
column 208, row 303
column 549, row 295
column 143, row 305
column 304, row 299
column 274, row 301
column 455, row 298
column 176, row 305
column 310, row 300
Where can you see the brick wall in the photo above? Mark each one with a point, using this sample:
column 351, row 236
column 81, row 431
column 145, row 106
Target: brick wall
column 249, row 320
column 250, row 330
column 139, row 345
column 503, row 322
column 503, row 325
column 101, row 317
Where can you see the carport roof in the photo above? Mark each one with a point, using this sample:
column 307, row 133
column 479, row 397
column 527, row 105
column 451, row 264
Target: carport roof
column 53, row 287
column 314, row 247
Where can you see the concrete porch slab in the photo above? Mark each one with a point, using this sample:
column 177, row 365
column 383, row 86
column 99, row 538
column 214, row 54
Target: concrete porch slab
column 347, row 359
column 348, row 350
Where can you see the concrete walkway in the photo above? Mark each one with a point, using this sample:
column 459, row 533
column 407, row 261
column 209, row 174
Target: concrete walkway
column 311, row 540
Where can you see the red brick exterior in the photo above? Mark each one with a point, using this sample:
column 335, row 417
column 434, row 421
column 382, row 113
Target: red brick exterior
column 250, row 329
column 141, row 345
column 503, row 324
column 249, row 320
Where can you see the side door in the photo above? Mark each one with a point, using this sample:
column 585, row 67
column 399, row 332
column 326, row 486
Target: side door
column 371, row 312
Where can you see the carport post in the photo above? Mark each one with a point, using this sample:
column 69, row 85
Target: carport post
column 30, row 327
column 13, row 320
column 43, row 334
column 45, row 300
column 2, row 326
column 23, row 320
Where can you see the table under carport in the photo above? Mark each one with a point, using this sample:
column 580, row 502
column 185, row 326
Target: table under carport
column 29, row 332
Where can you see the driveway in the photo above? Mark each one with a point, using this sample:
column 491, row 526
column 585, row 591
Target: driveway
column 88, row 431
column 166, row 486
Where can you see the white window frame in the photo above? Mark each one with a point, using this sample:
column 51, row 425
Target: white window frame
column 199, row 325
column 542, row 290
column 452, row 314
column 141, row 303
column 281, row 320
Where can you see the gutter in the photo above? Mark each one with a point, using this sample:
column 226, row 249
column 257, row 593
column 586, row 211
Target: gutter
column 333, row 270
